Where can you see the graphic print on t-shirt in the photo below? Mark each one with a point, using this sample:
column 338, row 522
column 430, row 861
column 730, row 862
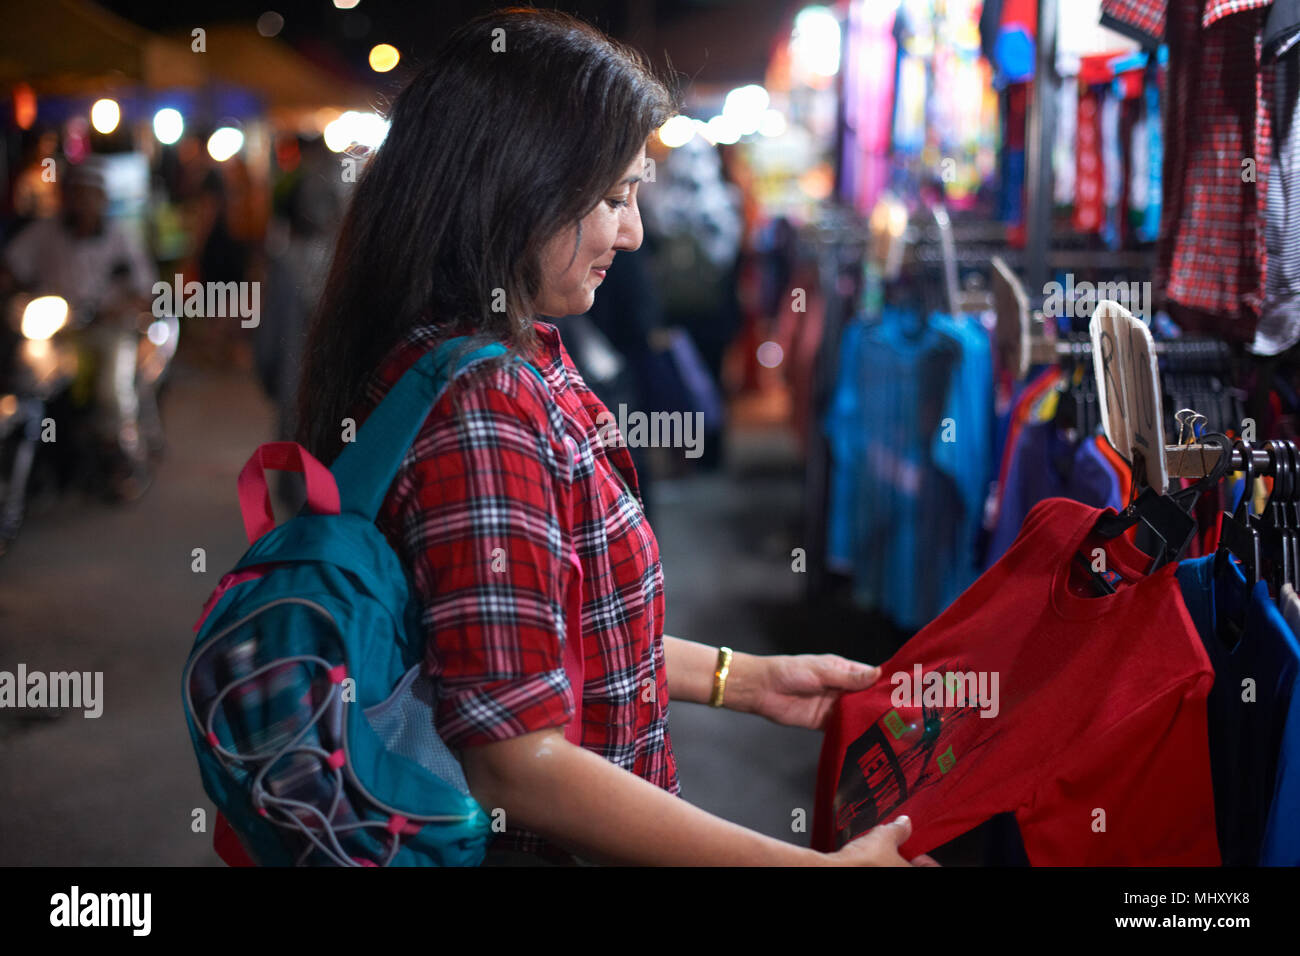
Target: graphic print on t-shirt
column 906, row 750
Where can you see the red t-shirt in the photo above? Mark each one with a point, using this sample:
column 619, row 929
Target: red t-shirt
column 1083, row 715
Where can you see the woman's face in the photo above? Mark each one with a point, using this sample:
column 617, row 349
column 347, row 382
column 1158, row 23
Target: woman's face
column 569, row 281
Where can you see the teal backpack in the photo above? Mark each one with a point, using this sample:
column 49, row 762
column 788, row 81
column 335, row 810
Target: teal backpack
column 304, row 693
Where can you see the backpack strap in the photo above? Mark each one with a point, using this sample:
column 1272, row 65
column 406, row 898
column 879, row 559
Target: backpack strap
column 365, row 468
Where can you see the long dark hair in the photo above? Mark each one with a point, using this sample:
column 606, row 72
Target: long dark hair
column 515, row 129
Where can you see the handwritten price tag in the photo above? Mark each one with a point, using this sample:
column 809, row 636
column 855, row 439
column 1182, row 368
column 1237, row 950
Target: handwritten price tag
column 1128, row 384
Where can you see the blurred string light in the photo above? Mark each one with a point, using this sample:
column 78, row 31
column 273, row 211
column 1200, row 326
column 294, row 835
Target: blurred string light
column 678, row 131
column 270, row 23
column 383, row 57
column 356, row 128
column 772, row 123
column 744, row 108
column 168, row 124
column 44, row 316
column 158, row 332
column 224, row 143
column 770, row 354
column 105, row 115
column 721, row 130
column 745, row 111
column 24, row 106
column 76, row 139
column 815, row 42
column 345, row 4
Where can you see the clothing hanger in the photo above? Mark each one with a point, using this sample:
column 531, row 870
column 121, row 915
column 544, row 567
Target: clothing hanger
column 1168, row 517
column 1292, row 508
column 1170, row 526
column 1281, row 507
column 1239, row 531
column 1277, row 535
column 1239, row 538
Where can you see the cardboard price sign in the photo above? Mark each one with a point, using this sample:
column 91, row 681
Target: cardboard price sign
column 1128, row 385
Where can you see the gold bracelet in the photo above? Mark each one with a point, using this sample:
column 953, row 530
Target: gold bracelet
column 720, row 676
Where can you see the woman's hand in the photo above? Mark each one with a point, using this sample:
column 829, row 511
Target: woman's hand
column 879, row 847
column 795, row 690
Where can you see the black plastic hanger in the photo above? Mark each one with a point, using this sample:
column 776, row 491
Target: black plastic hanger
column 1282, row 502
column 1274, row 521
column 1171, row 526
column 1292, row 505
column 1238, row 532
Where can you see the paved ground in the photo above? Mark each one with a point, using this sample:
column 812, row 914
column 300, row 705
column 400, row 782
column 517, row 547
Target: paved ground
column 92, row 588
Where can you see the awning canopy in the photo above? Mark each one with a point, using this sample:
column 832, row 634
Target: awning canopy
column 70, row 47
column 286, row 80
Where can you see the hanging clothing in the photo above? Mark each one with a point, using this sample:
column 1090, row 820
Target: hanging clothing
column 1279, row 324
column 1282, row 29
column 869, row 86
column 1122, row 470
column 962, row 447
column 1040, row 463
column 1046, row 464
column 1093, row 479
column 1096, row 736
column 1019, row 416
column 1112, row 163
column 1212, row 257
column 1064, row 144
column 1090, row 169
column 895, row 517
column 1011, row 205
column 1253, row 652
column 1154, row 157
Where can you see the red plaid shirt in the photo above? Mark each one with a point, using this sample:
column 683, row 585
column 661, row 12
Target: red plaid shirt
column 479, row 513
column 1212, row 255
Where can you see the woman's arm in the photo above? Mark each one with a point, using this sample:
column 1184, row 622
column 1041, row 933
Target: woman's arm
column 605, row 814
column 690, row 673
column 797, row 690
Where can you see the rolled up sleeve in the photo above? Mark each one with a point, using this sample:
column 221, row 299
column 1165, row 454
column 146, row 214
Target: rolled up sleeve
column 483, row 526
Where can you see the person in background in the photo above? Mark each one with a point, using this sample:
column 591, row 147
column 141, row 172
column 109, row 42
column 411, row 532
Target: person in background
column 694, row 222
column 107, row 276
column 626, row 312
column 303, row 231
column 36, row 187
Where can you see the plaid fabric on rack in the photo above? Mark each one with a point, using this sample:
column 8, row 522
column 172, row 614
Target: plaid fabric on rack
column 1212, row 255
column 1143, row 18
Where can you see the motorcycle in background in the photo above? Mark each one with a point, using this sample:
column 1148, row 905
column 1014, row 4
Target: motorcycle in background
column 54, row 401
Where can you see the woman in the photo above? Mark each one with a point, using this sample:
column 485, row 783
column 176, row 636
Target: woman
column 506, row 185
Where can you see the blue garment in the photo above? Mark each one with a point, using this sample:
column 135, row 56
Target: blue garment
column 963, row 447
column 1092, row 479
column 1282, row 835
column 1254, row 745
column 1040, row 464
column 1011, row 200
column 893, row 513
column 1014, row 54
column 1149, row 230
column 845, row 436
